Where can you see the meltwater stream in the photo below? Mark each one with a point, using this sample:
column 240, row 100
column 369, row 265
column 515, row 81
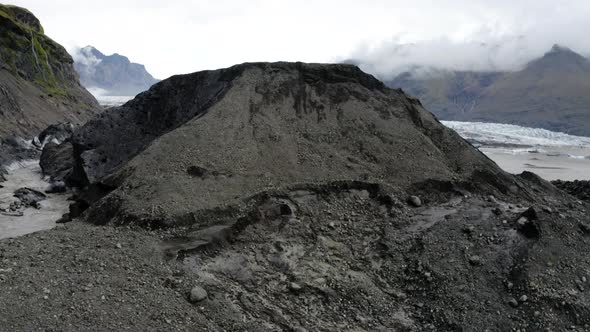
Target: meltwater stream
column 27, row 174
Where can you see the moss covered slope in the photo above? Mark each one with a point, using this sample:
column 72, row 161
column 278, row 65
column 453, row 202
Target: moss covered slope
column 38, row 83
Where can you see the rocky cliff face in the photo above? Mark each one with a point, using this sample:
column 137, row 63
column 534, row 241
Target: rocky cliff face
column 550, row 92
column 38, row 83
column 114, row 74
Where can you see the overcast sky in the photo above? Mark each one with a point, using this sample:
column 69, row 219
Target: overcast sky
column 175, row 36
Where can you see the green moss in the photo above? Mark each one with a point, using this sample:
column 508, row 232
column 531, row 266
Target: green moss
column 13, row 12
column 28, row 53
column 45, row 77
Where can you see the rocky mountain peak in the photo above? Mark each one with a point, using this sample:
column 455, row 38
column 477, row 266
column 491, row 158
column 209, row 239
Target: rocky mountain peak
column 556, row 48
column 21, row 16
column 111, row 74
column 560, row 58
column 92, row 51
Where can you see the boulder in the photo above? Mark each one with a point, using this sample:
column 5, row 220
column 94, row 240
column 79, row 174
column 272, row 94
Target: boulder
column 29, row 197
column 57, row 161
column 197, row 294
column 56, row 133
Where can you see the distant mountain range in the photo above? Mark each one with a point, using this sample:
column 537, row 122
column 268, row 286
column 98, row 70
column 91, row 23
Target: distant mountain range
column 112, row 75
column 552, row 92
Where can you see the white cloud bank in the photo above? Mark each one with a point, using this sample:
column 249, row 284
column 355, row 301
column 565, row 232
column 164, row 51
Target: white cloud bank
column 180, row 36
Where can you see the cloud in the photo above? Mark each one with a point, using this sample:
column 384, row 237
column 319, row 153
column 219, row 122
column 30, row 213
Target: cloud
column 505, row 39
column 507, row 54
column 180, row 36
column 85, row 59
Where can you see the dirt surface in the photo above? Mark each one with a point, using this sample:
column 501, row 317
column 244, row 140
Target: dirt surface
column 335, row 260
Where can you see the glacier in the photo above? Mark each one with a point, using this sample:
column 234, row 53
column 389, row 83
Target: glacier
column 497, row 134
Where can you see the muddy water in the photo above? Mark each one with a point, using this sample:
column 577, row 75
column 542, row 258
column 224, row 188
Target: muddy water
column 549, row 162
column 28, row 174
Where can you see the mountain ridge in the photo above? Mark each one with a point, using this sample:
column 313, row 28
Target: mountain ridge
column 115, row 73
column 550, row 92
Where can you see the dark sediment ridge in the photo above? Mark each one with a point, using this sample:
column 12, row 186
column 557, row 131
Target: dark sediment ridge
column 577, row 188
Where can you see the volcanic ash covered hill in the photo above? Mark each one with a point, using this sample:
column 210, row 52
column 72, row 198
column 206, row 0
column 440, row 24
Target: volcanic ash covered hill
column 202, row 140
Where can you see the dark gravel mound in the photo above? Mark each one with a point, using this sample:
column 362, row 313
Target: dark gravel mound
column 577, row 188
column 207, row 139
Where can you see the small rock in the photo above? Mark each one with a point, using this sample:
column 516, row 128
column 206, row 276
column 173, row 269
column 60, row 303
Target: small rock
column 320, row 281
column 64, row 219
column 584, row 279
column 530, row 214
column 56, row 187
column 523, row 298
column 537, row 313
column 547, row 209
column 29, row 197
column 332, row 225
column 469, row 230
column 475, row 260
column 119, row 246
column 295, row 287
column 198, row 294
column 584, row 228
column 509, row 285
column 415, row 201
column 512, row 302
